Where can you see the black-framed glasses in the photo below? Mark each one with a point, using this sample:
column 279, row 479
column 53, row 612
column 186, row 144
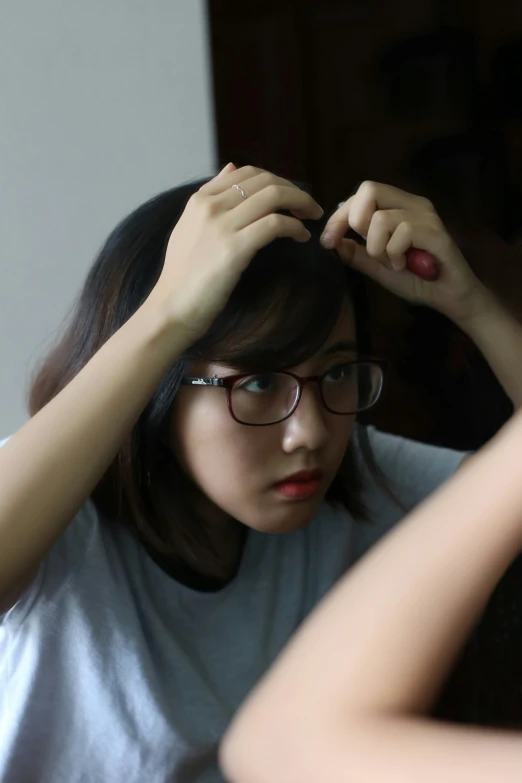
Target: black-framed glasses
column 260, row 399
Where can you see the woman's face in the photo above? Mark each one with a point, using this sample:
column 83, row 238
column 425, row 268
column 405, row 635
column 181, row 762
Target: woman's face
column 239, row 467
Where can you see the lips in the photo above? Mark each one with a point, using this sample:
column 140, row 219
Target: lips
column 302, row 477
column 300, row 486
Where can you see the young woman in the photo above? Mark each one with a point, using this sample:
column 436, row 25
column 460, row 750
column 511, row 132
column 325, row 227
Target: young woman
column 202, row 398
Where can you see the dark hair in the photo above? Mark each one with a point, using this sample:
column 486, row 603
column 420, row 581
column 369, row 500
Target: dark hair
column 283, row 309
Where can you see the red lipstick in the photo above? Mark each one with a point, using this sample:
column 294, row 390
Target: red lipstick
column 300, row 486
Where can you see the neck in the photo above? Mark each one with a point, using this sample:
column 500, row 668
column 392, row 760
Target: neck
column 224, row 536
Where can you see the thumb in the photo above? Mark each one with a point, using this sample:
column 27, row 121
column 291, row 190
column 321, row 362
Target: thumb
column 355, row 256
column 347, row 249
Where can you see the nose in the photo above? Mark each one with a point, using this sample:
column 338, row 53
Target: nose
column 306, row 427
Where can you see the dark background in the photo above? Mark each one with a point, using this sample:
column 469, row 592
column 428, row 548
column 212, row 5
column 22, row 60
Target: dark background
column 425, row 95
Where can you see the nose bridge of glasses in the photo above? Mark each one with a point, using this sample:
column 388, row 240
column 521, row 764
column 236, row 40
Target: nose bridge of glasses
column 313, row 383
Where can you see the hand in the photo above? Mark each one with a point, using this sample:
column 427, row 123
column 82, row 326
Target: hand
column 392, row 221
column 216, row 237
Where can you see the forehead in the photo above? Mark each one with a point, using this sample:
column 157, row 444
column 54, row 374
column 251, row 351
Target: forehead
column 344, row 330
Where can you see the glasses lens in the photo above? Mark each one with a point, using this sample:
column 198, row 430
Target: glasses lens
column 352, row 387
column 265, row 398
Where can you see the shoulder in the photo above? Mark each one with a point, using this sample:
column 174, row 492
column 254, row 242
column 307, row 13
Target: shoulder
column 407, row 472
column 69, row 553
column 416, row 468
column 66, row 558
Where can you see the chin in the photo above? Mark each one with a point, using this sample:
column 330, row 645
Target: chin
column 296, row 516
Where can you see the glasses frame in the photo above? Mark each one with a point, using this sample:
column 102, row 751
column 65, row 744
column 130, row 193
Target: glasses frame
column 229, row 381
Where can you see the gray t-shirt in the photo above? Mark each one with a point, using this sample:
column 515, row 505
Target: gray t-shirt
column 111, row 671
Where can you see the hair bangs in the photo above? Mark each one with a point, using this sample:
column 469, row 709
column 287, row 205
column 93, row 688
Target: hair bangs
column 282, row 311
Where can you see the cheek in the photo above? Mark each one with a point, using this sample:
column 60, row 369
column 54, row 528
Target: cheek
column 221, row 455
column 340, row 431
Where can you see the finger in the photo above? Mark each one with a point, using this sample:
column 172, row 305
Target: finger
column 379, row 234
column 370, row 197
column 271, row 199
column 374, row 196
column 400, row 242
column 251, row 180
column 356, row 257
column 235, row 176
column 266, row 229
column 380, row 242
column 231, row 197
column 225, row 170
column 337, row 225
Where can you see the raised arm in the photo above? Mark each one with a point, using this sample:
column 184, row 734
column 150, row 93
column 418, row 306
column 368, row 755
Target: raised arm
column 346, row 700
column 392, row 221
column 53, row 463
column 498, row 335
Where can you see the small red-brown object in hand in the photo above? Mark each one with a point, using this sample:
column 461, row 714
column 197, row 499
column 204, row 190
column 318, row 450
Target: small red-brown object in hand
column 422, row 264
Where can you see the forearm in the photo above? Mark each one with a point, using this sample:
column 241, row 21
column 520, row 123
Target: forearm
column 377, row 749
column 52, row 464
column 382, row 642
column 410, row 750
column 498, row 335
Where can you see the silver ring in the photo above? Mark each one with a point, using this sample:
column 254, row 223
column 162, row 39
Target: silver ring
column 238, row 187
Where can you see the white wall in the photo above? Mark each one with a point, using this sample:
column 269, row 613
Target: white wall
column 102, row 104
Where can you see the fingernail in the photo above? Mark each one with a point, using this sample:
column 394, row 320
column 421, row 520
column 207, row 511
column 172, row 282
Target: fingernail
column 225, row 168
column 396, row 264
column 327, row 239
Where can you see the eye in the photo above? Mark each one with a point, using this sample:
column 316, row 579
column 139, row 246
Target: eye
column 340, row 373
column 258, row 384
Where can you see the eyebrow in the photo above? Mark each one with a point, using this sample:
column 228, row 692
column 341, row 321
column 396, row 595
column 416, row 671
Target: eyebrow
column 339, row 346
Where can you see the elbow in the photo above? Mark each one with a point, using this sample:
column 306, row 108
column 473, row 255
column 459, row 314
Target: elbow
column 276, row 749
column 238, row 755
column 228, row 759
column 255, row 750
column 286, row 750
